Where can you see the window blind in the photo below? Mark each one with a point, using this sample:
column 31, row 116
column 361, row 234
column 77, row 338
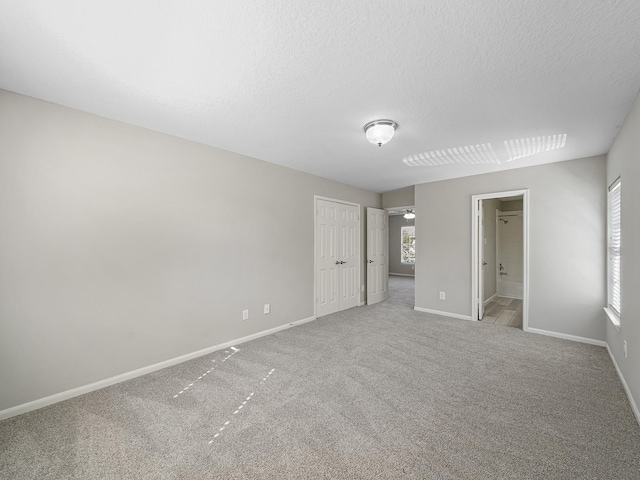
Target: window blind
column 614, row 243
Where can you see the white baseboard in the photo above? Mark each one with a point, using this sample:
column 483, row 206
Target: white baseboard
column 565, row 336
column 491, row 298
column 444, row 314
column 402, row 274
column 74, row 392
column 634, row 407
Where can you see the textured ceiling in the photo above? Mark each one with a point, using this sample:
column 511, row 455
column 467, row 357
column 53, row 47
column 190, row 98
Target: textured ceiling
column 294, row 82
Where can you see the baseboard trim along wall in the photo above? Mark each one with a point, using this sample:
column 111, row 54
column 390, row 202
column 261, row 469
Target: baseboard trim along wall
column 565, row 336
column 444, row 314
column 402, row 274
column 634, row 407
column 491, row 299
column 74, row 392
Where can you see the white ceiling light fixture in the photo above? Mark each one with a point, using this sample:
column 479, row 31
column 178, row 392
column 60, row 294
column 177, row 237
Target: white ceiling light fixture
column 410, row 215
column 380, row 132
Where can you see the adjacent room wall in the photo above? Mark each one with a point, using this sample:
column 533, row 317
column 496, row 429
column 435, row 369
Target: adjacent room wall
column 122, row 247
column 511, row 206
column 399, row 198
column 396, row 222
column 624, row 161
column 490, row 286
column 567, row 235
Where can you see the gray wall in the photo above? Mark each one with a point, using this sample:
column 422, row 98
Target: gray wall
column 490, row 207
column 123, row 247
column 624, row 161
column 399, row 198
column 567, row 234
column 396, row 222
column 511, row 206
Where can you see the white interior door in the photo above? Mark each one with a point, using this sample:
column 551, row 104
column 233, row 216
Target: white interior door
column 349, row 261
column 481, row 262
column 337, row 256
column 377, row 256
column 327, row 261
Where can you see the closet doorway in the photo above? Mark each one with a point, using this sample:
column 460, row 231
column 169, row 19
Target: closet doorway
column 337, row 256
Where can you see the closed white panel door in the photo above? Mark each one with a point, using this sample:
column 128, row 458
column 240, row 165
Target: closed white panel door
column 377, row 256
column 328, row 263
column 337, row 257
column 349, row 258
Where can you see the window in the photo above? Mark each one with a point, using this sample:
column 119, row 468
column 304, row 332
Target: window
column 408, row 245
column 613, row 246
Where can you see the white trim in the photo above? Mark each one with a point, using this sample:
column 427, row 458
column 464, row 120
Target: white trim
column 475, row 250
column 74, row 392
column 402, row 274
column 334, row 200
column 491, row 298
column 634, row 407
column 566, row 336
column 444, row 314
column 613, row 317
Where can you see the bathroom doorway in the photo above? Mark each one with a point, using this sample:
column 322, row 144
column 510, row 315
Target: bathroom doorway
column 499, row 263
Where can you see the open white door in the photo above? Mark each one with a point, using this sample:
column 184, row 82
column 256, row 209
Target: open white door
column 327, row 260
column 481, row 262
column 377, row 256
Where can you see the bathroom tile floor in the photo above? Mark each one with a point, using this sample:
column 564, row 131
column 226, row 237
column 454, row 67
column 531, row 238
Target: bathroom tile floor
column 504, row 311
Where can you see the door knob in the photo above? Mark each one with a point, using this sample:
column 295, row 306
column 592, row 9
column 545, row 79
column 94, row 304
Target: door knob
column 369, row 261
column 484, row 263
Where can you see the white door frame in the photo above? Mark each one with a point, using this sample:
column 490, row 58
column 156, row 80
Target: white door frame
column 475, row 271
column 315, row 247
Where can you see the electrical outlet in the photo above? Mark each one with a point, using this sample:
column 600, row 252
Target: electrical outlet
column 267, row 308
column 443, row 296
column 624, row 346
column 245, row 314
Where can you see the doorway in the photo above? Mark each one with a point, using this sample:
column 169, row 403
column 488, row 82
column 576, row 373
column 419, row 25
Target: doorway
column 402, row 255
column 500, row 258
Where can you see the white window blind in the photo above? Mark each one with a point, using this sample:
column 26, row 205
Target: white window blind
column 614, row 242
